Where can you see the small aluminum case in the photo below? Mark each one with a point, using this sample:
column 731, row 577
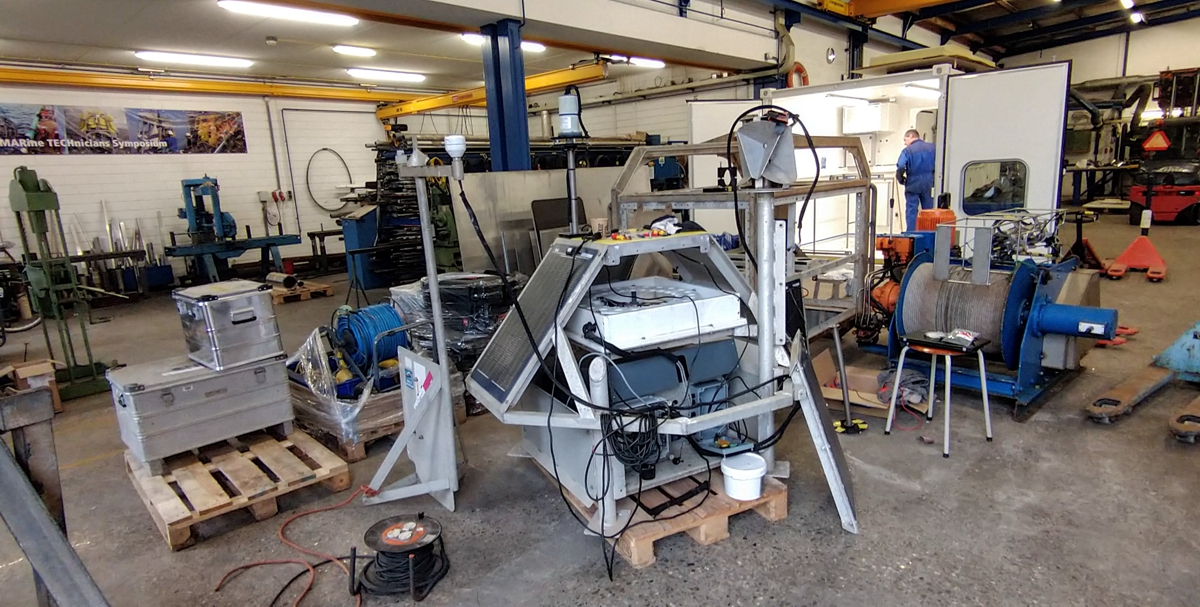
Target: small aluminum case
column 175, row 405
column 229, row 323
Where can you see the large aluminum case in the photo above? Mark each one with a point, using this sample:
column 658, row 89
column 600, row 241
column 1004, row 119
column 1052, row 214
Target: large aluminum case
column 175, row 405
column 229, row 323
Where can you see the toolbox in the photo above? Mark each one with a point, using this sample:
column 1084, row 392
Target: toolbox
column 229, row 323
column 176, row 405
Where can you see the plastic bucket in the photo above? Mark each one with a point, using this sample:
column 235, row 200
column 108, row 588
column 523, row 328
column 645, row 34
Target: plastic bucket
column 743, row 476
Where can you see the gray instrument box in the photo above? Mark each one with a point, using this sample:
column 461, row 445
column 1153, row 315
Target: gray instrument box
column 175, row 405
column 229, row 323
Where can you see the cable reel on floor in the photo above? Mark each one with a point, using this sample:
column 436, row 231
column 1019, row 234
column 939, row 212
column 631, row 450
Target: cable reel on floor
column 368, row 337
column 410, row 557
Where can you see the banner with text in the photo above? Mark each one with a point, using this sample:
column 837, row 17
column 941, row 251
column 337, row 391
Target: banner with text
column 69, row 129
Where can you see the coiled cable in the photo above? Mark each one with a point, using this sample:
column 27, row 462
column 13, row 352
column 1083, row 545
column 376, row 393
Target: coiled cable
column 415, row 572
column 357, row 330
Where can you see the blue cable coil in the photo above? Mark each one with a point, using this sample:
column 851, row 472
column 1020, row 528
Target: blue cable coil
column 357, row 330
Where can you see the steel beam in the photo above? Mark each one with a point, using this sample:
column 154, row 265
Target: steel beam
column 809, row 12
column 946, row 8
column 1079, row 24
column 547, row 81
column 504, row 82
column 1192, row 13
column 35, row 516
column 1025, row 16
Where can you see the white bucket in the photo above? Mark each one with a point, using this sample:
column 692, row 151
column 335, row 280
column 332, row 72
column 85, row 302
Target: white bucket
column 743, row 476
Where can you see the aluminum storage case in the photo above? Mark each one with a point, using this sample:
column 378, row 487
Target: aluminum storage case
column 229, row 323
column 175, row 405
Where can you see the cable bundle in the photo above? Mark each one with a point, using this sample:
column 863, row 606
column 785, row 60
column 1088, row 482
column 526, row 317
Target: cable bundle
column 357, row 330
column 410, row 557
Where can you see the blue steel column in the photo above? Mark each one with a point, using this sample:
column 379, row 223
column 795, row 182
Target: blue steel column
column 504, row 81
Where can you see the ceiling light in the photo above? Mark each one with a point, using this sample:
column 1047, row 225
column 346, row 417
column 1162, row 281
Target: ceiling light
column 357, row 51
column 1136, row 17
column 193, row 59
column 1127, row 4
column 526, row 45
column 920, row 92
column 643, row 62
column 275, row 11
column 387, row 75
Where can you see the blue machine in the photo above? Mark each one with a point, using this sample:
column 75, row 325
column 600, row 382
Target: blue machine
column 360, row 230
column 1032, row 313
column 212, row 234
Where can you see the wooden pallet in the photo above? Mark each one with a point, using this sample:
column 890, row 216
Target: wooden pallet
column 304, row 292
column 356, row 450
column 249, row 472
column 707, row 524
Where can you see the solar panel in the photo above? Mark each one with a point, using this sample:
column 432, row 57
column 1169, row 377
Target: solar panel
column 505, row 368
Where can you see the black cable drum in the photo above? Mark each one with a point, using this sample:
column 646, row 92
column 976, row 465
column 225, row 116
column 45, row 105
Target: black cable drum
column 410, row 557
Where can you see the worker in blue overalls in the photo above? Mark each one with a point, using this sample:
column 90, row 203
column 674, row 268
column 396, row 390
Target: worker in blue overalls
column 914, row 171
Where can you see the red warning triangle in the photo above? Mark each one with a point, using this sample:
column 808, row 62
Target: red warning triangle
column 1156, row 142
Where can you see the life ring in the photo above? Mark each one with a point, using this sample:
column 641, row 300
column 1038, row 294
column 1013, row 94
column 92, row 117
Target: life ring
column 798, row 76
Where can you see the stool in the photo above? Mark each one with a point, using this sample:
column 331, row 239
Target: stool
column 947, row 351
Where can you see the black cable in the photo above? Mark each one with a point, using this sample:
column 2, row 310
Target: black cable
column 416, row 571
column 308, row 183
column 737, row 214
column 302, row 573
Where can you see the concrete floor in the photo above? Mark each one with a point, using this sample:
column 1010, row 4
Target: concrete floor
column 1057, row 511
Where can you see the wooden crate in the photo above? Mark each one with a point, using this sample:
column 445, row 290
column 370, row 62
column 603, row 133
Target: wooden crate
column 707, row 524
column 304, row 292
column 249, row 472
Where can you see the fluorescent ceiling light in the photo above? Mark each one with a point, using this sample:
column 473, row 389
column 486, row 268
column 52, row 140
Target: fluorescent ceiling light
column 275, row 11
column 185, row 59
column 638, row 61
column 526, row 45
column 387, row 75
column 921, row 92
column 643, row 62
column 357, row 51
column 1158, row 114
column 1136, row 17
column 1127, row 4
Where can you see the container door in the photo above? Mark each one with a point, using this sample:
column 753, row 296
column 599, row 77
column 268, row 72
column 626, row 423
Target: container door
column 1004, row 139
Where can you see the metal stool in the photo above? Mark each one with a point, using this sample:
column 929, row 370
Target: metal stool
column 947, row 351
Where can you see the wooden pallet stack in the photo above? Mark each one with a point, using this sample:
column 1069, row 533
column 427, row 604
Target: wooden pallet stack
column 249, row 472
column 304, row 292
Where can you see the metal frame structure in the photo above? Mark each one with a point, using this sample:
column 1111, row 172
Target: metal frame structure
column 37, row 522
column 780, row 204
column 428, row 408
column 563, row 439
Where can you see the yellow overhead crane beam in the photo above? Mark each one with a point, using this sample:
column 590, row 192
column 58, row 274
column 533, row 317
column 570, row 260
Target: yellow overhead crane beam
column 537, row 83
column 869, row 9
column 172, row 84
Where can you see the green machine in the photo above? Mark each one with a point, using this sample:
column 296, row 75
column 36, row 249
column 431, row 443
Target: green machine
column 53, row 284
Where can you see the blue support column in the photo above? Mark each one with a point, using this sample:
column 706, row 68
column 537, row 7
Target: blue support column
column 504, row 81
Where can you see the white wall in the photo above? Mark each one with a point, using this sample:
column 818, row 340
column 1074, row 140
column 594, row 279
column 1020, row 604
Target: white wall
column 138, row 187
column 1151, row 50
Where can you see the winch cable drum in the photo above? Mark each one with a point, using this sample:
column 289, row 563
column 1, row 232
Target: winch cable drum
column 358, row 329
column 928, row 304
column 1014, row 308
